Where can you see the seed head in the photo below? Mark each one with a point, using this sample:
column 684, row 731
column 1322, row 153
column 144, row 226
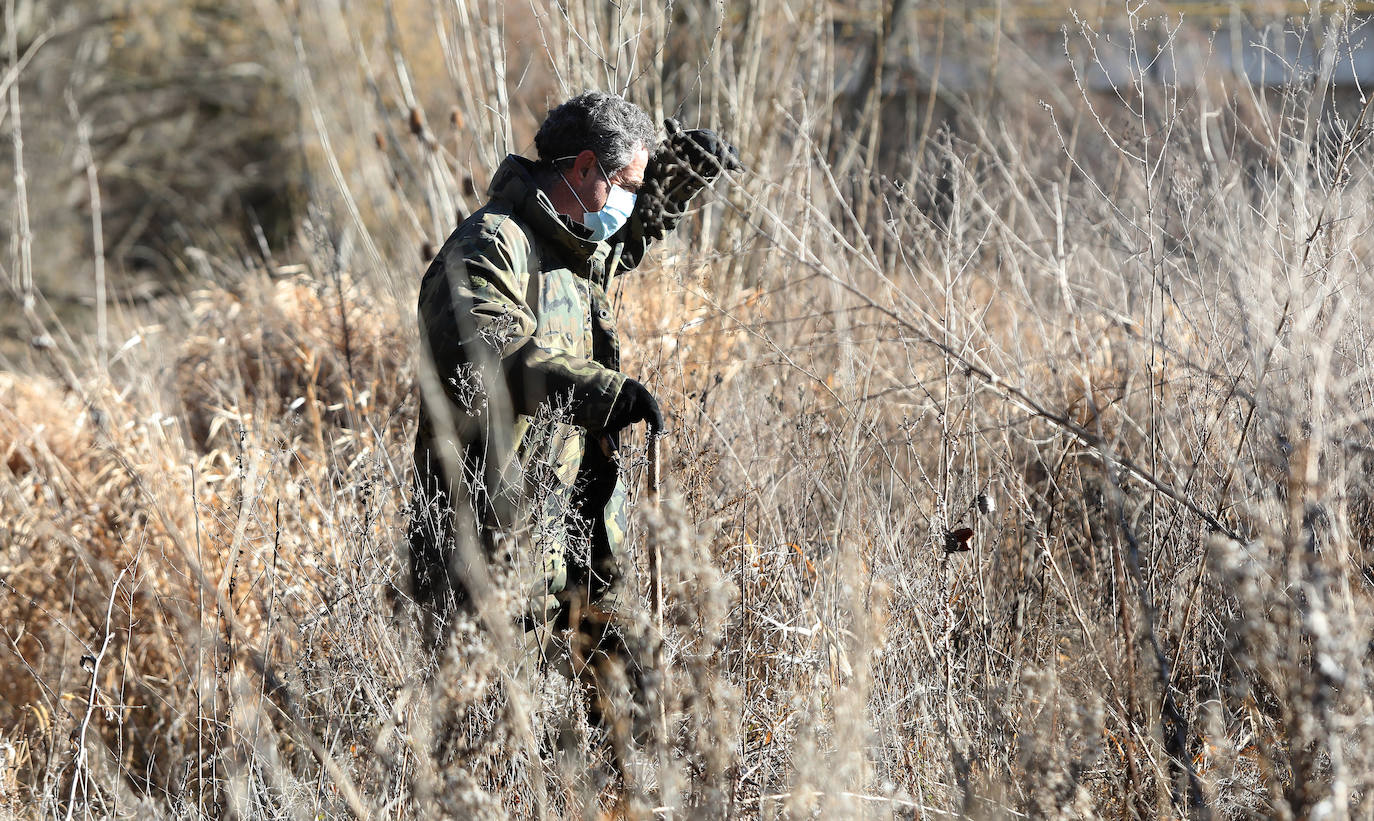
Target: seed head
column 986, row 504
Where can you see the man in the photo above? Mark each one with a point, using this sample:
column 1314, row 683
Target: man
column 522, row 397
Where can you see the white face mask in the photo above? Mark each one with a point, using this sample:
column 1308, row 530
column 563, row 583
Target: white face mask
column 615, row 213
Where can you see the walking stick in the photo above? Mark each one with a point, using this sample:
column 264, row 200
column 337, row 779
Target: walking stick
column 656, row 558
column 655, row 484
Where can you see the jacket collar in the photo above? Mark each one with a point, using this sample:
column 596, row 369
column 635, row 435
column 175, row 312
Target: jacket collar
column 514, row 183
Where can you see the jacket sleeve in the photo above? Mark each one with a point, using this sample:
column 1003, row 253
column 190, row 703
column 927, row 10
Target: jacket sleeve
column 477, row 320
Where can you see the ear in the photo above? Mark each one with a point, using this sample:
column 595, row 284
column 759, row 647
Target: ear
column 585, row 163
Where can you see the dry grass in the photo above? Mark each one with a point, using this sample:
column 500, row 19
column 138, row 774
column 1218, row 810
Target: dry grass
column 1121, row 338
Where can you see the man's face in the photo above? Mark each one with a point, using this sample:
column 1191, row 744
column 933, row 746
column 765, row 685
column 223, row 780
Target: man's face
column 591, row 185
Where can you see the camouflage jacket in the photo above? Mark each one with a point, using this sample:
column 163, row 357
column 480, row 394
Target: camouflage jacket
column 515, row 320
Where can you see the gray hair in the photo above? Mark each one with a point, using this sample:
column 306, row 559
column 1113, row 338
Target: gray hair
column 611, row 126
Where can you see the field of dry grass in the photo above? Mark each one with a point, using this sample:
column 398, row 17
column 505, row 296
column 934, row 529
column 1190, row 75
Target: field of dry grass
column 1116, row 334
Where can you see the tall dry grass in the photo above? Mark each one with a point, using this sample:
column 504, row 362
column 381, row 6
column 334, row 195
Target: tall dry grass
column 1116, row 332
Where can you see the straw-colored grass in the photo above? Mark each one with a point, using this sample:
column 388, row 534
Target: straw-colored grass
column 1114, row 345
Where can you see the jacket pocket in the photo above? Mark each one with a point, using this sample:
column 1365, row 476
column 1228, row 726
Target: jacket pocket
column 605, row 342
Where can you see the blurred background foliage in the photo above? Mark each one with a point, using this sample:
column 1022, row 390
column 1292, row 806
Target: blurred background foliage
column 207, row 121
column 193, row 129
column 211, row 125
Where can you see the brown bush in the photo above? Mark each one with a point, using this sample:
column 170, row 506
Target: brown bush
column 323, row 351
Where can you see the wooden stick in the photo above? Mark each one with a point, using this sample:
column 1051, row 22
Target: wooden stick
column 655, row 484
column 656, row 556
column 655, row 472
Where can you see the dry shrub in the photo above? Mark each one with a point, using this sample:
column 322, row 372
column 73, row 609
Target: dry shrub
column 40, row 423
column 96, row 548
column 124, row 548
column 326, row 350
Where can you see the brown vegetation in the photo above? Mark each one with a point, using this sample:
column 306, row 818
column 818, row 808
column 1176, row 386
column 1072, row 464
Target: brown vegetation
column 1120, row 338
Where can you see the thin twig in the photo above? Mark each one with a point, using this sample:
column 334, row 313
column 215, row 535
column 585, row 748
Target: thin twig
column 92, row 694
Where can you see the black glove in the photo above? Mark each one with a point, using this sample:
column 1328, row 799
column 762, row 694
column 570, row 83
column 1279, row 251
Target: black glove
column 683, row 163
column 701, row 148
column 635, row 404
